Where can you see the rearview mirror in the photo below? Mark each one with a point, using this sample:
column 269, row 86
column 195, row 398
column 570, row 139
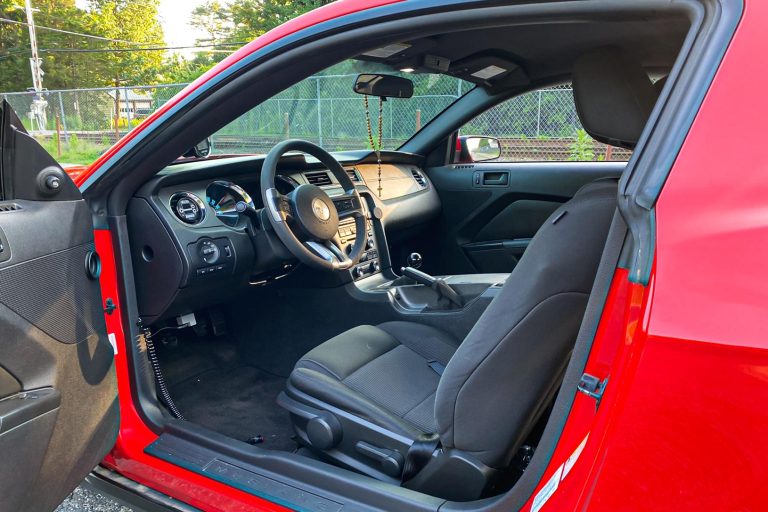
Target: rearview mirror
column 383, row 86
column 481, row 149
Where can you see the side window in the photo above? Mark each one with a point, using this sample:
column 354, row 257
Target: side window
column 540, row 126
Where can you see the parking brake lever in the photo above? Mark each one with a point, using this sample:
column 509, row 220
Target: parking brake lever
column 442, row 288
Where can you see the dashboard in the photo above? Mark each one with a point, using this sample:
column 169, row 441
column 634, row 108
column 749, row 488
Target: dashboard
column 191, row 247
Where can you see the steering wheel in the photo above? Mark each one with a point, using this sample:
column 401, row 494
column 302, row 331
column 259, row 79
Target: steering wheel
column 307, row 219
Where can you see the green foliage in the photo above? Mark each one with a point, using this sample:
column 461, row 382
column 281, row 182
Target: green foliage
column 130, row 20
column 583, row 148
column 73, row 152
column 237, row 21
column 248, row 19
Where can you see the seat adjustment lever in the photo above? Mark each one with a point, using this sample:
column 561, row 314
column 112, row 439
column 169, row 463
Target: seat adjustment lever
column 390, row 460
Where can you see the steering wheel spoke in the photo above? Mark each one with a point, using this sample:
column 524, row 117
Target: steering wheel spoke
column 329, row 251
column 279, row 206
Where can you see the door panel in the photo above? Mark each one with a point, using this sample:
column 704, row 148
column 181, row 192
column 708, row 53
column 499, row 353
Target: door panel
column 490, row 211
column 58, row 394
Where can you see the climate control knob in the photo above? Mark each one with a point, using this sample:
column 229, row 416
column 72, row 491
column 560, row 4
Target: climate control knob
column 369, row 243
column 358, row 272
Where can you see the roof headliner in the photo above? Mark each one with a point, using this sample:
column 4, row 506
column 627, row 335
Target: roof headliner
column 546, row 51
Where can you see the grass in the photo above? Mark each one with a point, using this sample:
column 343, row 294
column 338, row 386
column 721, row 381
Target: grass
column 74, row 152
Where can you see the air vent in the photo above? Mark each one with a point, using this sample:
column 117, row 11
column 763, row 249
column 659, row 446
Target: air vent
column 353, row 175
column 187, row 207
column 12, row 207
column 319, row 179
column 419, row 178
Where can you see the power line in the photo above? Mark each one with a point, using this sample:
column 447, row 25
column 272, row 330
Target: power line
column 16, row 51
column 69, row 32
column 144, row 49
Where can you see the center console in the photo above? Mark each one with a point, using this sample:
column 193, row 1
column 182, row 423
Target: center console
column 370, row 260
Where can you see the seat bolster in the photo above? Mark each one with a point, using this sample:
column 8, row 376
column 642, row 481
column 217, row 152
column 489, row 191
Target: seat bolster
column 327, row 389
column 342, row 355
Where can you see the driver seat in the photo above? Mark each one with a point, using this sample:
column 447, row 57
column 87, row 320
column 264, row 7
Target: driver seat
column 382, row 399
column 409, row 404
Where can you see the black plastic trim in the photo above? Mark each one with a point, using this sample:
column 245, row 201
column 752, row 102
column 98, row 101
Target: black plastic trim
column 292, row 480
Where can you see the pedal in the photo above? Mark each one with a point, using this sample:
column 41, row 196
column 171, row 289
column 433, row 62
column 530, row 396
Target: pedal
column 169, row 342
column 218, row 322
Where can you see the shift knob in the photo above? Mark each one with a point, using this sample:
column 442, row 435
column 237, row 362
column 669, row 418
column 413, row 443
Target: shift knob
column 414, row 260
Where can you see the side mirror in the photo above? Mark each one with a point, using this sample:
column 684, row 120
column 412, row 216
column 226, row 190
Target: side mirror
column 383, row 86
column 201, row 150
column 479, row 149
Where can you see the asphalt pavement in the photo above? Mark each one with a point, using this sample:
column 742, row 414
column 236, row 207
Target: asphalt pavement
column 88, row 500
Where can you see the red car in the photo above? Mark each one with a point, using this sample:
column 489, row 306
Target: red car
column 241, row 331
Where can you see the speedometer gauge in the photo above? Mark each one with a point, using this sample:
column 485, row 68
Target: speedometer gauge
column 223, row 197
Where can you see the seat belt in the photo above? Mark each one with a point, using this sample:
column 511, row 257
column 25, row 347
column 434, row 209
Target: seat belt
column 419, row 454
column 436, row 366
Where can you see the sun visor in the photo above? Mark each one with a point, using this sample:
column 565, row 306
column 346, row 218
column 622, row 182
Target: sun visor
column 490, row 70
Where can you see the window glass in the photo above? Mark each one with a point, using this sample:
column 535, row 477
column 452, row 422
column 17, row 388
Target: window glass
column 324, row 109
column 541, row 126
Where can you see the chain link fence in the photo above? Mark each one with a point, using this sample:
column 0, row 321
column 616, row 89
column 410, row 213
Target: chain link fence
column 77, row 125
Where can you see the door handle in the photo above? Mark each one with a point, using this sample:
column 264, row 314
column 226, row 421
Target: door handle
column 495, row 178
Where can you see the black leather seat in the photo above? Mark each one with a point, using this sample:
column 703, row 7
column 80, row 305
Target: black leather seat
column 370, row 397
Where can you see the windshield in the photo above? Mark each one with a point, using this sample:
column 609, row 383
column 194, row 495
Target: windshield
column 323, row 109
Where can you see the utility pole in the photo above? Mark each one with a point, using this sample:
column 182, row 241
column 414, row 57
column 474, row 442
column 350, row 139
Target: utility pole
column 38, row 104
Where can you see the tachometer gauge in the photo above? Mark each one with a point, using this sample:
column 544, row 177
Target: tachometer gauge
column 223, row 197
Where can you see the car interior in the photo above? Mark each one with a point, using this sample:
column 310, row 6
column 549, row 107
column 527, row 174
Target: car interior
column 405, row 315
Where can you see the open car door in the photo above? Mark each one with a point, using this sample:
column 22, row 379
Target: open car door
column 59, row 413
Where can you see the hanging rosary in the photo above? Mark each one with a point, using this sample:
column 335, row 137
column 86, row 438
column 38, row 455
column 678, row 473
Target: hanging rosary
column 376, row 148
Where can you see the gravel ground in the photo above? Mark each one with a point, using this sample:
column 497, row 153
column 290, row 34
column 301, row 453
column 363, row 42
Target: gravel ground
column 86, row 500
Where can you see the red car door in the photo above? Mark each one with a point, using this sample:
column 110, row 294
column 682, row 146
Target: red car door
column 58, row 393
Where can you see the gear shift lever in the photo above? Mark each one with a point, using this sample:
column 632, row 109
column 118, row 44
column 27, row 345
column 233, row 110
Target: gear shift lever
column 414, row 260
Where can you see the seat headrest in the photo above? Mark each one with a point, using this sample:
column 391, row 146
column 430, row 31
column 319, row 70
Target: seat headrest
column 614, row 96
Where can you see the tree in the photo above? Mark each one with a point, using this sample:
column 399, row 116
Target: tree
column 58, row 65
column 126, row 20
column 72, row 61
column 214, row 19
column 252, row 18
column 236, row 22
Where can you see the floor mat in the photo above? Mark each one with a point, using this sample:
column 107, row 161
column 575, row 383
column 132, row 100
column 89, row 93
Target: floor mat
column 237, row 402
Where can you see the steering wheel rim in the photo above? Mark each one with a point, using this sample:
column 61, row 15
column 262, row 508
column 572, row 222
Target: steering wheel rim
column 307, row 219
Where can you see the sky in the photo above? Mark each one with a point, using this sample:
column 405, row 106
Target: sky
column 174, row 16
